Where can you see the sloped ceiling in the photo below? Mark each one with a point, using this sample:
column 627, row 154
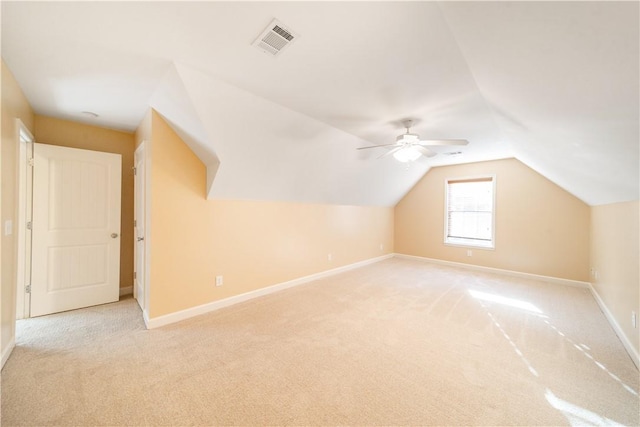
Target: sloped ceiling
column 553, row 84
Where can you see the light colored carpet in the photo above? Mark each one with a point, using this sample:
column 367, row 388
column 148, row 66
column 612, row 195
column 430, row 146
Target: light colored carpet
column 398, row 342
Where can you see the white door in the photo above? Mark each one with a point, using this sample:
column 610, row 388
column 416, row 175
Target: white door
column 138, row 206
column 76, row 229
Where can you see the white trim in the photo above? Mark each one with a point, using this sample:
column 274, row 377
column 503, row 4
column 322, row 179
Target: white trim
column 555, row 280
column 126, row 290
column 25, row 141
column 145, row 317
column 148, row 226
column 142, row 155
column 633, row 353
column 469, row 243
column 7, row 352
column 167, row 319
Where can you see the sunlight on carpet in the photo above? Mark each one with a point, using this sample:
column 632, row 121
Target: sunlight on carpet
column 399, row 342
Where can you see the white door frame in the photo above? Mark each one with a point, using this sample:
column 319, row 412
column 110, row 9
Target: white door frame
column 23, row 218
column 138, row 192
column 142, row 152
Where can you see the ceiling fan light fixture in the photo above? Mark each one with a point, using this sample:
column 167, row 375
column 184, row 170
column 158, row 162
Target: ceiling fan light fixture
column 407, row 154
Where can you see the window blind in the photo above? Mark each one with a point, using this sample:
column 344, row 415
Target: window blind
column 470, row 209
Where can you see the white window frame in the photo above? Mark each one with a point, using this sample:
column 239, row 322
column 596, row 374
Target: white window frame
column 469, row 243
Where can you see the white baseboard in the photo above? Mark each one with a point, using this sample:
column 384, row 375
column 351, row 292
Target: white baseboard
column 126, row 291
column 633, row 353
column 7, row 352
column 167, row 319
column 511, row 273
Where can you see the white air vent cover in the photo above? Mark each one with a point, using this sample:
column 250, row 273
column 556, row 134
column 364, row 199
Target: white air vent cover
column 275, row 38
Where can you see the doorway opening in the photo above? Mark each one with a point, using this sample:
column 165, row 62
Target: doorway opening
column 69, row 228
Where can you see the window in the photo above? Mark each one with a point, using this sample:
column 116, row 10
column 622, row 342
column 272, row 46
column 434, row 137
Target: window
column 469, row 216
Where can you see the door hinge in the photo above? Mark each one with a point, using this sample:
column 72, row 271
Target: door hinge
column 135, row 275
column 29, row 225
column 27, row 289
column 134, row 170
column 135, row 223
column 31, row 161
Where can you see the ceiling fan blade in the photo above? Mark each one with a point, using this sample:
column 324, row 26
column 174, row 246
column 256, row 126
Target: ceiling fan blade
column 390, row 152
column 444, row 142
column 375, row 146
column 425, row 151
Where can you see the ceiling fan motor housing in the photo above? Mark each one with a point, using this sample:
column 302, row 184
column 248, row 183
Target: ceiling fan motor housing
column 408, row 138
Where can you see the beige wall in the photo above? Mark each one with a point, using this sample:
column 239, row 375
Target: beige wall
column 615, row 256
column 540, row 228
column 14, row 105
column 252, row 244
column 76, row 135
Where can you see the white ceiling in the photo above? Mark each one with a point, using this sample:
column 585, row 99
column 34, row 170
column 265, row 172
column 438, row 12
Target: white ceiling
column 553, row 84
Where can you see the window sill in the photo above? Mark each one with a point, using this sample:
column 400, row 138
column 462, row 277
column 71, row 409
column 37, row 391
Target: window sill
column 467, row 243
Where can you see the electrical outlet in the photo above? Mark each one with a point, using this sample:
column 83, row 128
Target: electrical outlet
column 8, row 227
column 469, row 252
column 381, row 247
column 634, row 319
column 329, row 257
column 219, row 281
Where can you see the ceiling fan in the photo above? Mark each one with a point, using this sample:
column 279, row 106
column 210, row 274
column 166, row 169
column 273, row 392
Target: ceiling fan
column 409, row 147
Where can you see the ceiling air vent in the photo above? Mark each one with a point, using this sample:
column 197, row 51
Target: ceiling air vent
column 275, row 38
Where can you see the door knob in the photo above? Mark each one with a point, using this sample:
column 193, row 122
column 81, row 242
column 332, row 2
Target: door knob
column 140, row 239
column 114, row 235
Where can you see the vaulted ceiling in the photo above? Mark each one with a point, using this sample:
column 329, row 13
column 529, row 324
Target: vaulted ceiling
column 554, row 84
